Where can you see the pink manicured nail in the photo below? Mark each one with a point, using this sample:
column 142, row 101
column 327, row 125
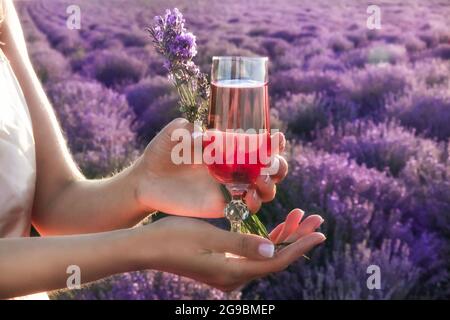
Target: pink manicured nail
column 320, row 222
column 266, row 250
column 266, row 179
column 282, row 142
column 276, row 163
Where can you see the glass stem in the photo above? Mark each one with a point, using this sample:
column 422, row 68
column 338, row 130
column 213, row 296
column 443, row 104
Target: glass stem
column 235, row 225
column 236, row 210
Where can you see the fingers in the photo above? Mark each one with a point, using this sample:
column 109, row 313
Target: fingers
column 266, row 188
column 245, row 245
column 237, row 271
column 282, row 169
column 290, row 226
column 309, row 225
column 291, row 230
column 250, row 269
column 295, row 250
column 265, row 184
column 252, row 200
column 175, row 131
column 278, row 141
column 181, row 123
column 178, row 123
column 253, row 256
column 275, row 232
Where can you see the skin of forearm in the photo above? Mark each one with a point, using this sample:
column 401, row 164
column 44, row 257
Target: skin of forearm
column 85, row 206
column 30, row 265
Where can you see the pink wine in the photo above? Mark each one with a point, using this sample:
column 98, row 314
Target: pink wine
column 238, row 138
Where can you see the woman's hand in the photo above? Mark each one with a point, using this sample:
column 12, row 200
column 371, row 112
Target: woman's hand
column 188, row 189
column 225, row 260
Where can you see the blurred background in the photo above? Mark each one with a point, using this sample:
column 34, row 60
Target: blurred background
column 366, row 114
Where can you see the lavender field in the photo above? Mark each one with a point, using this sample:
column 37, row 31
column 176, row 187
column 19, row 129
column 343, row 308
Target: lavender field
column 366, row 113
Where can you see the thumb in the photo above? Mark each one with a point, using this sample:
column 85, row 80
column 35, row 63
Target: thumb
column 245, row 245
column 178, row 123
column 175, row 131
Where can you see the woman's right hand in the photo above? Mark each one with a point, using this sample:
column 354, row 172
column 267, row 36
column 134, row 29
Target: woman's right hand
column 225, row 260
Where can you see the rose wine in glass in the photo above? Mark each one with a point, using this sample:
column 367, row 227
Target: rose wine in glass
column 237, row 138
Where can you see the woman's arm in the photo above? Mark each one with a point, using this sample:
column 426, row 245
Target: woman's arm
column 30, row 265
column 65, row 202
column 184, row 246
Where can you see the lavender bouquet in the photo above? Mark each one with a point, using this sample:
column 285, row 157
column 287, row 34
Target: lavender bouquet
column 178, row 46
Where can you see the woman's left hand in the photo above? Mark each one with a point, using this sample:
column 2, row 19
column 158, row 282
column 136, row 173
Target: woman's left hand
column 188, row 189
column 222, row 259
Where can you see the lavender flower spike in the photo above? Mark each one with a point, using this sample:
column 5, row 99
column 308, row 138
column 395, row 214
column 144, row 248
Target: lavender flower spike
column 183, row 46
column 178, row 46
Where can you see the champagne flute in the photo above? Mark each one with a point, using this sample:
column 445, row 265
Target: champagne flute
column 237, row 136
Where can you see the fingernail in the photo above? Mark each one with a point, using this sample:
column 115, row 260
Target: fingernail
column 282, row 142
column 320, row 222
column 255, row 195
column 275, row 165
column 266, row 250
column 322, row 238
column 276, row 162
column 266, row 179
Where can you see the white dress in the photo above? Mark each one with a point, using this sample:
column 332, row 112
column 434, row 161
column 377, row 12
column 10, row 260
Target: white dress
column 17, row 159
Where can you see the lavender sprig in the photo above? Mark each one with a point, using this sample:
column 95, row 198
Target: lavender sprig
column 178, row 46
